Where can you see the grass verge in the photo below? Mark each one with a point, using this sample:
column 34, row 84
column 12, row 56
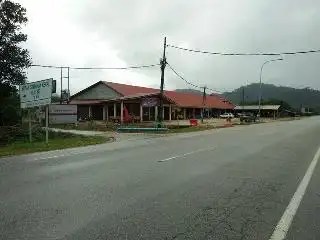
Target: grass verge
column 185, row 129
column 63, row 142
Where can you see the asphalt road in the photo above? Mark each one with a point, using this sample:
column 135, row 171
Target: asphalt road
column 233, row 183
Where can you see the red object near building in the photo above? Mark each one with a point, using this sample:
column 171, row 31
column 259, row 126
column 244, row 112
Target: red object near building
column 193, row 122
column 126, row 115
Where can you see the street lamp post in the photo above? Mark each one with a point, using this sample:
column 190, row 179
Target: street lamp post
column 260, row 83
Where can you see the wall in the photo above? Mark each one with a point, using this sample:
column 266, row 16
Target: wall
column 98, row 92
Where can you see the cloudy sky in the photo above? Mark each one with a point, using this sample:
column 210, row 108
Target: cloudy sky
column 120, row 33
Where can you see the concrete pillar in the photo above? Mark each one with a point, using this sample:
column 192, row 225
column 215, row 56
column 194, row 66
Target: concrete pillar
column 184, row 113
column 149, row 113
column 114, row 110
column 162, row 112
column 141, row 113
column 104, row 113
column 107, row 112
column 170, row 110
column 90, row 112
column 194, row 113
column 121, row 113
column 156, row 113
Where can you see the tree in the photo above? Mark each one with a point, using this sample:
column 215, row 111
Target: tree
column 13, row 58
column 55, row 98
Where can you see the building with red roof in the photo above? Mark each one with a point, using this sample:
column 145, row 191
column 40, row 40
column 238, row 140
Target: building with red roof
column 122, row 102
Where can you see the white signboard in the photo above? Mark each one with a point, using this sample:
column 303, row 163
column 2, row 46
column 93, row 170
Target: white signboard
column 36, row 93
column 63, row 113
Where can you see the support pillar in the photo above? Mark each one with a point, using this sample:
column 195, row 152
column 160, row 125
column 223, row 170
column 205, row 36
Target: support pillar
column 104, row 113
column 121, row 113
column 162, row 112
column 141, row 113
column 156, row 113
column 107, row 112
column 114, row 110
column 90, row 112
column 170, row 110
column 184, row 114
column 194, row 113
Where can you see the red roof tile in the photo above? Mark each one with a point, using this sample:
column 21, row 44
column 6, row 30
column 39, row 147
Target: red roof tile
column 180, row 98
column 194, row 100
column 126, row 90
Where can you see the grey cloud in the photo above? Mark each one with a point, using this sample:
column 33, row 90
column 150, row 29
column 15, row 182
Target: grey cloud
column 136, row 29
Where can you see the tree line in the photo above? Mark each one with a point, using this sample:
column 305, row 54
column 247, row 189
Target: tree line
column 14, row 60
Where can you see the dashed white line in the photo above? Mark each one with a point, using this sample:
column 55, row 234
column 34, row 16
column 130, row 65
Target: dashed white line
column 185, row 154
column 283, row 226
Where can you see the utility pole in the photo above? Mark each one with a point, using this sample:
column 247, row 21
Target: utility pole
column 68, row 85
column 242, row 99
column 163, row 63
column 203, row 102
column 61, row 69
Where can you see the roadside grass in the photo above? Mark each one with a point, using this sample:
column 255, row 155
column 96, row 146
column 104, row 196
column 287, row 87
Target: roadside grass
column 98, row 126
column 85, row 126
column 56, row 141
column 185, row 129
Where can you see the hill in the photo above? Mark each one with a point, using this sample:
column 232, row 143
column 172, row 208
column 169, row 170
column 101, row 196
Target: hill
column 297, row 98
column 188, row 90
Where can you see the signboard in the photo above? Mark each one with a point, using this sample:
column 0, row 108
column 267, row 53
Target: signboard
column 35, row 94
column 63, row 113
column 149, row 102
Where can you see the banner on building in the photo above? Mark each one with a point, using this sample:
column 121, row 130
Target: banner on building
column 150, row 102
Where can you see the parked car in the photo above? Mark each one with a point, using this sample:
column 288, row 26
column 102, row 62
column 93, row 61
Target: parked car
column 227, row 115
column 247, row 117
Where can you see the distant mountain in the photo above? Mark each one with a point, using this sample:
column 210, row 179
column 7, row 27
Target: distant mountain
column 188, row 90
column 297, row 98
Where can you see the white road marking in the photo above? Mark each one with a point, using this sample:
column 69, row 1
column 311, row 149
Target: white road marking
column 61, row 155
column 283, row 226
column 185, row 154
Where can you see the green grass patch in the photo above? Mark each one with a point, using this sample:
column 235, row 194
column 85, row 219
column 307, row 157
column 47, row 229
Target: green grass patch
column 57, row 141
column 185, row 129
column 87, row 126
column 100, row 126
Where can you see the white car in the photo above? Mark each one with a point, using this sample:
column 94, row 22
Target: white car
column 227, row 115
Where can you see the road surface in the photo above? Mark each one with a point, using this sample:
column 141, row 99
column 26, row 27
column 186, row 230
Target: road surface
column 251, row 182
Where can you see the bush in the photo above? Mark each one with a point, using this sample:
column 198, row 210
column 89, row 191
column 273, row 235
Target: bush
column 9, row 134
column 19, row 133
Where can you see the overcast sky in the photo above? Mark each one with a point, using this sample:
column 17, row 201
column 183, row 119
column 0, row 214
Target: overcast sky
column 119, row 33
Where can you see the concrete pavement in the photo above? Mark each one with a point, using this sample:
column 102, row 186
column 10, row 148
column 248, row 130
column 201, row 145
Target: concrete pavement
column 230, row 183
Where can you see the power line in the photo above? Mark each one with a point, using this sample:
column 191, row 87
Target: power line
column 190, row 83
column 45, row 66
column 97, row 68
column 244, row 54
column 214, row 90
